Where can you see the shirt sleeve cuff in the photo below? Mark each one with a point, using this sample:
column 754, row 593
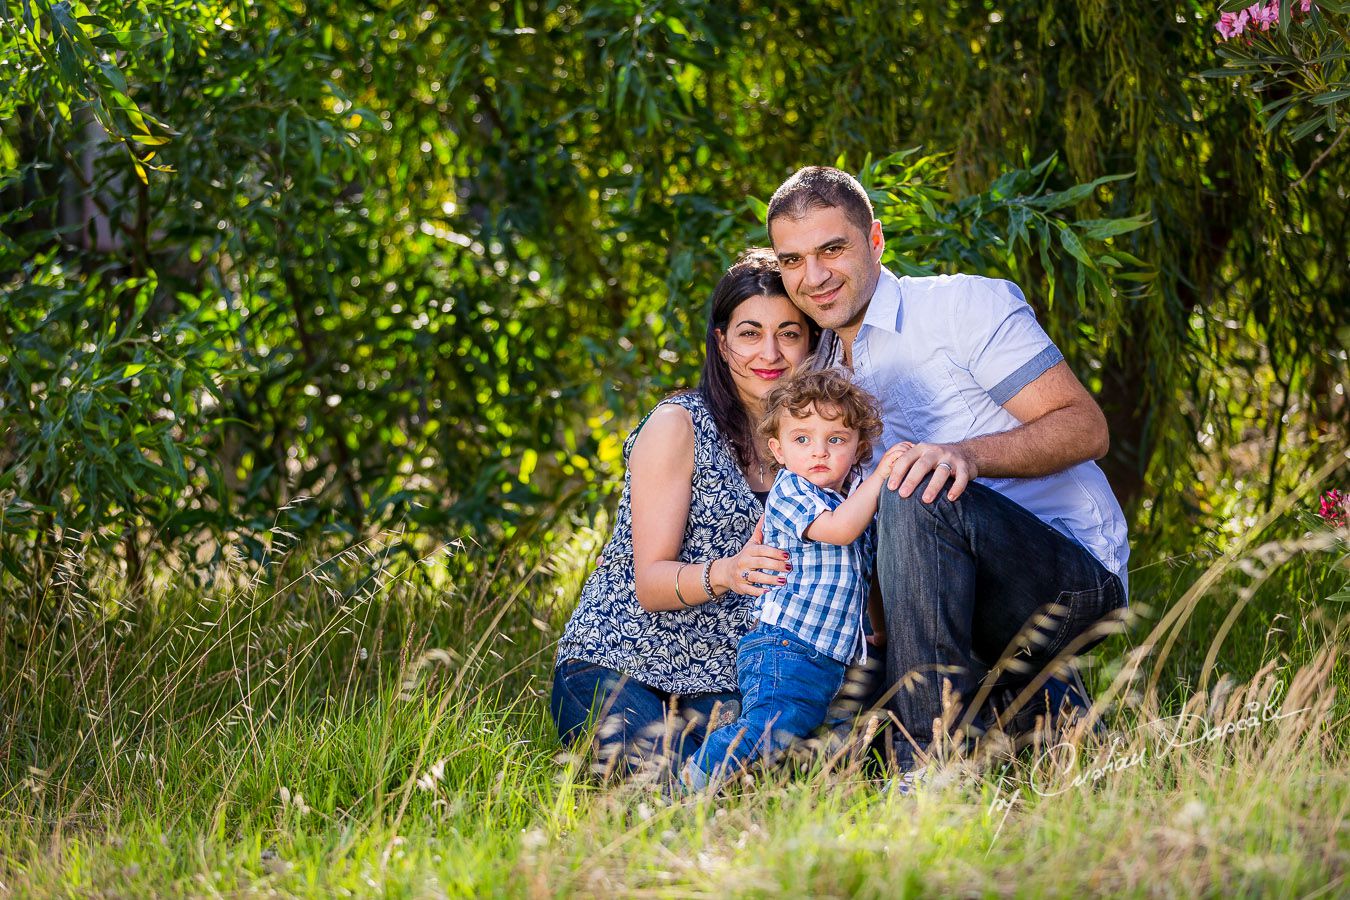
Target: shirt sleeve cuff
column 1028, row 372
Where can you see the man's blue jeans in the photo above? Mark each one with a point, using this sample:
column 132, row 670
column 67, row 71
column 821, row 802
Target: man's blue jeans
column 631, row 717
column 965, row 583
column 786, row 687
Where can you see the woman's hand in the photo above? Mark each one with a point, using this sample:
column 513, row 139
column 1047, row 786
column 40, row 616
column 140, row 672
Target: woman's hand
column 742, row 573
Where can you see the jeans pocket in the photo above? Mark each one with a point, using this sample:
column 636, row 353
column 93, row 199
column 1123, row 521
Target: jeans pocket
column 762, row 635
column 1079, row 611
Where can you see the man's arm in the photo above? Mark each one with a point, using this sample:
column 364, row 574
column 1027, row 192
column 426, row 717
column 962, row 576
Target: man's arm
column 1061, row 427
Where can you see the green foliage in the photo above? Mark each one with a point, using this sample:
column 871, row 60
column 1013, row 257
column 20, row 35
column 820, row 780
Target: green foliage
column 1016, row 229
column 1301, row 66
column 406, row 305
column 430, row 264
column 101, row 417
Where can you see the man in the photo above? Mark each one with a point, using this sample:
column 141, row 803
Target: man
column 999, row 543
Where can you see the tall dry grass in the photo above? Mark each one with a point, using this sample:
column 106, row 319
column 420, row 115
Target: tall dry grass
column 367, row 721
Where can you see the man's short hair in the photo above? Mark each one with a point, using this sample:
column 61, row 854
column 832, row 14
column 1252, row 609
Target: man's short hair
column 821, row 187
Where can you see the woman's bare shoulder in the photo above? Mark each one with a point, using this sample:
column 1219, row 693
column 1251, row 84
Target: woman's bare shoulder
column 668, row 433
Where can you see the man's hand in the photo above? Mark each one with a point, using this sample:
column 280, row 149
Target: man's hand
column 946, row 461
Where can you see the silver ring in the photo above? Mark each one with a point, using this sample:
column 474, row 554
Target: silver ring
column 745, row 576
column 943, row 465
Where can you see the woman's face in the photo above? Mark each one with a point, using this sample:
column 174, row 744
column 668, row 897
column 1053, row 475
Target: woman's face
column 765, row 339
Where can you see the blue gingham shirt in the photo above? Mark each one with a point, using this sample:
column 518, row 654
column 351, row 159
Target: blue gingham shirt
column 825, row 596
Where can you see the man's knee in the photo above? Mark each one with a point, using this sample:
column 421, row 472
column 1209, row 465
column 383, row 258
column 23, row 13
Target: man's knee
column 897, row 514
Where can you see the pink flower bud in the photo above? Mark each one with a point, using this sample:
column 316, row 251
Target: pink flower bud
column 1335, row 507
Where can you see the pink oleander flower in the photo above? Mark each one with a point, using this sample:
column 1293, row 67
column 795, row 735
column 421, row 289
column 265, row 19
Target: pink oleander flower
column 1229, row 25
column 1335, row 507
column 1265, row 16
column 1232, row 24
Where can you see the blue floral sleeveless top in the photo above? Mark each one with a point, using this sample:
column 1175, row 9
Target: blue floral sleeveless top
column 683, row 651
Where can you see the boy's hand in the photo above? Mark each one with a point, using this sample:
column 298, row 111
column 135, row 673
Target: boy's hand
column 890, row 458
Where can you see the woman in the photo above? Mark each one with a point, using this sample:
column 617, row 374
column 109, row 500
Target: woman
column 658, row 620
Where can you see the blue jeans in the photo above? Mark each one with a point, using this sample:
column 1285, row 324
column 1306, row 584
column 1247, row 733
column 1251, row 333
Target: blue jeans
column 968, row 583
column 631, row 717
column 786, row 686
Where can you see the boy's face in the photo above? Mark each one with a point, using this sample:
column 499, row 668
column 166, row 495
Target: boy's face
column 818, row 448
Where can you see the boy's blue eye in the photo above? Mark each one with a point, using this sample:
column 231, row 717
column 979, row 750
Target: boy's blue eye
column 836, row 440
column 800, row 439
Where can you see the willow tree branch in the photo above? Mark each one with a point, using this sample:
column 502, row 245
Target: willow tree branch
column 1321, row 159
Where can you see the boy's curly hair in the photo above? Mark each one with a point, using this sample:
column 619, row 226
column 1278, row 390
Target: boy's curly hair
column 828, row 390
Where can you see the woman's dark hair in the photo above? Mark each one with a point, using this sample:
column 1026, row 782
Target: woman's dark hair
column 754, row 274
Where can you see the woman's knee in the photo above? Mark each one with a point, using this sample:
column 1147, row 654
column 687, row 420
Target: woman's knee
column 582, row 692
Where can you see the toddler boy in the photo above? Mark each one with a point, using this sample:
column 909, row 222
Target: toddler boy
column 819, row 427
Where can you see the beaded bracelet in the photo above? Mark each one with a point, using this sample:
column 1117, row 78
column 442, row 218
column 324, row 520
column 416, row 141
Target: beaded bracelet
column 707, row 580
column 678, row 596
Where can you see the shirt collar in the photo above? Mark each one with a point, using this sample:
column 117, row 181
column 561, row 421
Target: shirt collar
column 884, row 310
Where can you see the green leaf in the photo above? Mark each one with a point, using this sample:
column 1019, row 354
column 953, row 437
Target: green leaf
column 758, row 208
column 1128, row 257
column 1101, row 229
column 1006, row 184
column 1270, row 123
column 1306, row 128
column 1017, row 225
column 1335, row 96
column 1075, row 194
column 1070, row 242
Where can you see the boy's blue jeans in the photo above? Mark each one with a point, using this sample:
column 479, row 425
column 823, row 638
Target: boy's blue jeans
column 786, row 686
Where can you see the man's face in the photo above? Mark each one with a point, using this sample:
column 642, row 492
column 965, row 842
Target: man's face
column 830, row 266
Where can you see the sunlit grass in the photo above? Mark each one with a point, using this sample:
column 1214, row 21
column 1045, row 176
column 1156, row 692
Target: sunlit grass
column 372, row 724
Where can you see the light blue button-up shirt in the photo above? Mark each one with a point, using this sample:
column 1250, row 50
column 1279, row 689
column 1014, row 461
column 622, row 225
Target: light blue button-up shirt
column 941, row 355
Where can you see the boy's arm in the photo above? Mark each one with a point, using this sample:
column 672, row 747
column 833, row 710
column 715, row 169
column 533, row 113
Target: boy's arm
column 846, row 522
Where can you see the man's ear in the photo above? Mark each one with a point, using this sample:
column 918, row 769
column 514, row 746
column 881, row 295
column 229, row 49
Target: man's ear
column 777, row 450
column 876, row 242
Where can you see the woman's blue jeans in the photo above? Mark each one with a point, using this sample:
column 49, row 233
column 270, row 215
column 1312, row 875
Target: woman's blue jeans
column 635, row 724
